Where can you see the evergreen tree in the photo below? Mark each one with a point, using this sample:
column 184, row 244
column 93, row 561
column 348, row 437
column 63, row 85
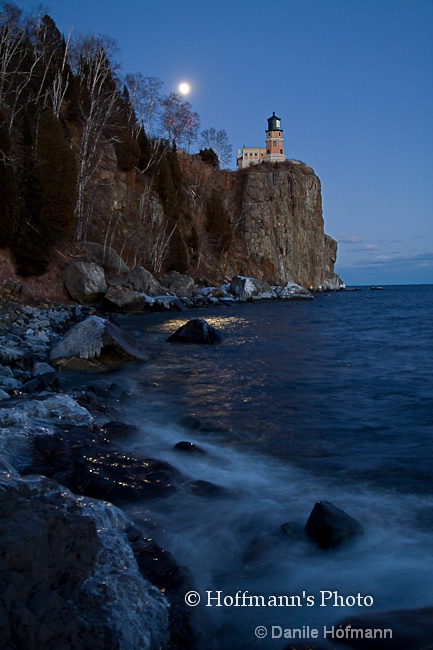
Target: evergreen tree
column 9, row 206
column 177, row 259
column 218, row 223
column 209, row 156
column 31, row 242
column 57, row 170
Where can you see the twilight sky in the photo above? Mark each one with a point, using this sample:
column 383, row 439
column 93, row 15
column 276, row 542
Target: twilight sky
column 352, row 81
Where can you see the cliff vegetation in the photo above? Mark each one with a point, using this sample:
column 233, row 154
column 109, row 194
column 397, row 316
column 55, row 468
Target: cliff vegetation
column 89, row 155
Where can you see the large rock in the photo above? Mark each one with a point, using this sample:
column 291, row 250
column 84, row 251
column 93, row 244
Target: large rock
column 143, row 281
column 293, row 291
column 126, row 300
column 106, row 257
column 96, row 344
column 69, row 578
column 330, row 526
column 85, row 281
column 196, row 330
column 181, row 285
column 250, row 289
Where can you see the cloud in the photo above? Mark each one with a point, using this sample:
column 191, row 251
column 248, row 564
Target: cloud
column 349, row 239
column 398, row 259
column 368, row 247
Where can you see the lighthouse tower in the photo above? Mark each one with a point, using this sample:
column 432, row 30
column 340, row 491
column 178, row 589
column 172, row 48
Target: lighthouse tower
column 274, row 140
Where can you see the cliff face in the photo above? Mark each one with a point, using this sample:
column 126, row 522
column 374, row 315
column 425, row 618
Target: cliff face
column 283, row 223
column 276, row 216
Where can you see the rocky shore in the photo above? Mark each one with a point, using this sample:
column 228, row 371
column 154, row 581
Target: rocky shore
column 77, row 572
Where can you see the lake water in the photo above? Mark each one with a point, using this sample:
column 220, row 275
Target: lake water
column 328, row 399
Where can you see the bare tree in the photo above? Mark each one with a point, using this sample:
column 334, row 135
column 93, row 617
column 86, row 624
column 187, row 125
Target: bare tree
column 217, row 141
column 145, row 100
column 20, row 61
column 179, row 122
column 99, row 96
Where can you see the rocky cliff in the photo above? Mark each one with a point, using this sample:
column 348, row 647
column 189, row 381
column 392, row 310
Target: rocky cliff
column 275, row 214
column 265, row 222
column 283, row 224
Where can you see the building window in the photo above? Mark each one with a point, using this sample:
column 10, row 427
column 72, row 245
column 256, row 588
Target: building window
column 281, row 151
column 268, row 151
column 275, row 143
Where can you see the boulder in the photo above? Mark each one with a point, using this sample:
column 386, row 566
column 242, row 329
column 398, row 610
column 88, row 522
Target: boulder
column 250, row 289
column 85, row 281
column 86, row 463
column 167, row 303
column 332, row 282
column 106, row 257
column 96, row 344
column 126, row 300
column 329, row 526
column 181, row 285
column 189, row 448
column 69, row 577
column 196, row 330
column 115, row 475
column 293, row 291
column 143, row 281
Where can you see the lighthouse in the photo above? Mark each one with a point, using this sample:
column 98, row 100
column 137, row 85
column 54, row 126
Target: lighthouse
column 274, row 140
column 273, row 152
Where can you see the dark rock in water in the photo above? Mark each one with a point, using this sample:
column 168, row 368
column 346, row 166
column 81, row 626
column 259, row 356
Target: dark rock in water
column 411, row 629
column 189, row 448
column 116, row 430
column 205, row 488
column 330, row 526
column 260, row 547
column 84, row 461
column 190, row 422
column 196, row 330
column 116, row 476
column 293, row 530
column 96, row 344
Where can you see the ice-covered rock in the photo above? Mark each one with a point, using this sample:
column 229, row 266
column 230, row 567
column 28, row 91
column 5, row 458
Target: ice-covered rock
column 96, row 344
column 291, row 291
column 245, row 288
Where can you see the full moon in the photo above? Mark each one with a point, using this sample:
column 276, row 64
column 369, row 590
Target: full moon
column 184, row 88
